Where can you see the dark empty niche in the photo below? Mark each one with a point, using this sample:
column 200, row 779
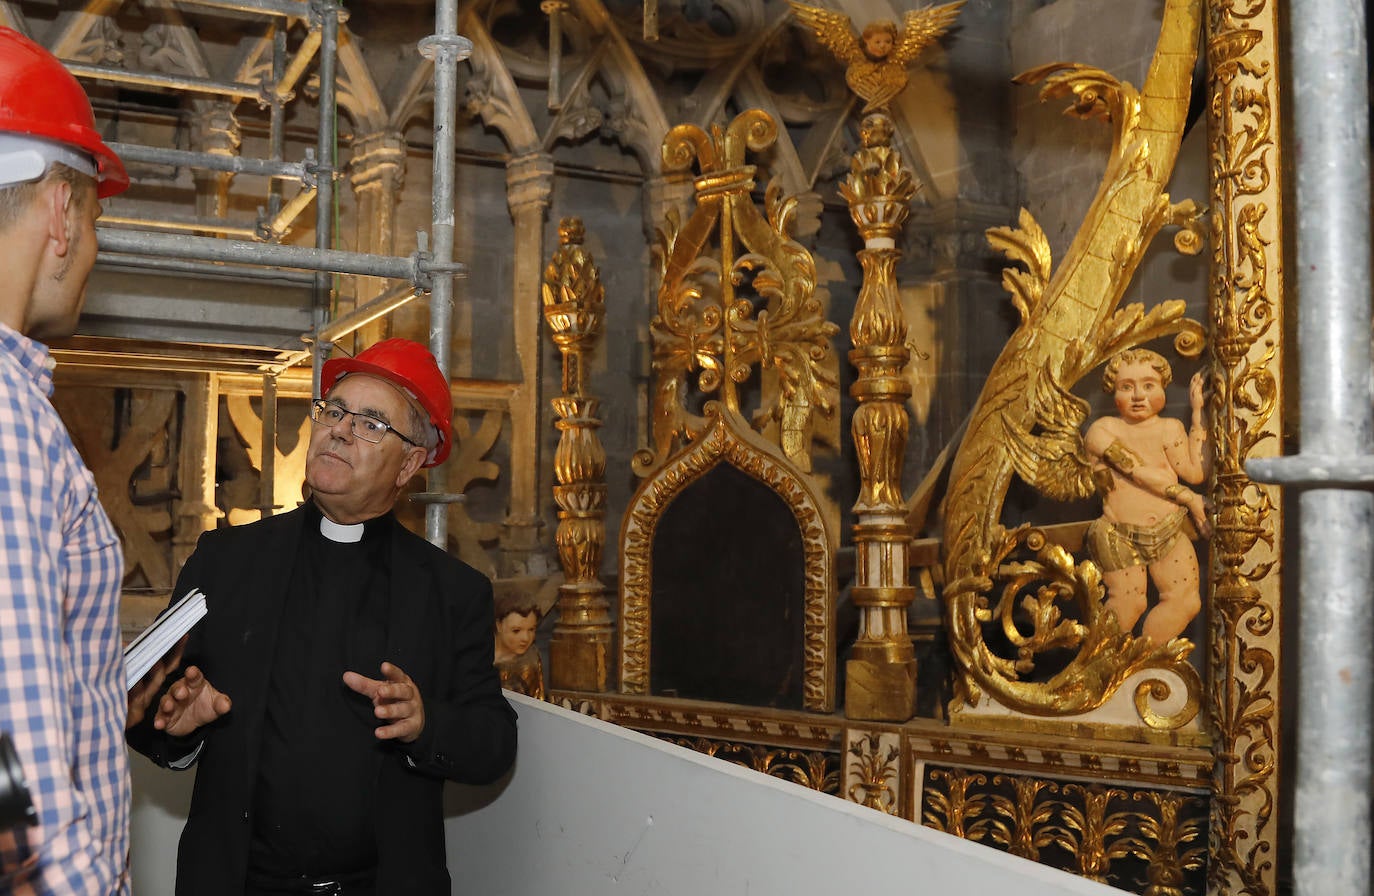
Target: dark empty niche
column 726, row 605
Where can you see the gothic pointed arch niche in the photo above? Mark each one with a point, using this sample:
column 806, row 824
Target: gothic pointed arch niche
column 738, row 492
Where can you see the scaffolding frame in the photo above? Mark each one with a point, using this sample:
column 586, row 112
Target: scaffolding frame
column 251, row 249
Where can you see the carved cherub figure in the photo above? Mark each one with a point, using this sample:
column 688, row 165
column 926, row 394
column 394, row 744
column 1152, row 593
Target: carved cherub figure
column 517, row 659
column 1134, row 461
column 876, row 60
column 1138, row 458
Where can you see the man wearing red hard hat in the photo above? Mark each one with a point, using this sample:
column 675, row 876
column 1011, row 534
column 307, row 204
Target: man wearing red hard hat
column 344, row 670
column 62, row 687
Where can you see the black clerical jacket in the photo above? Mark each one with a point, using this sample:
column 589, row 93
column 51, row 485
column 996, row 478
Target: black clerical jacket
column 439, row 632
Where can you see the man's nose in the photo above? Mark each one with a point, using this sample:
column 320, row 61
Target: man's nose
column 343, row 429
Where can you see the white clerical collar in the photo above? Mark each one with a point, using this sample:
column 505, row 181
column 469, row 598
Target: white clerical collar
column 340, row 533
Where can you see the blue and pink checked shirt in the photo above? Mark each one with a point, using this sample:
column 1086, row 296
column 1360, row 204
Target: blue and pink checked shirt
column 62, row 689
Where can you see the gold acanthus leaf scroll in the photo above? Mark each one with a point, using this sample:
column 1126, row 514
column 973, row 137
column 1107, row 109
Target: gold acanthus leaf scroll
column 1071, row 321
column 876, row 62
column 736, row 293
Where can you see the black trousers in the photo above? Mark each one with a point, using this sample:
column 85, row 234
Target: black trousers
column 363, row 884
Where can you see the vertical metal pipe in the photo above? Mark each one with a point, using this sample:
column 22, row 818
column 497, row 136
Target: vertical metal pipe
column 1332, row 818
column 277, row 120
column 326, row 153
column 446, row 48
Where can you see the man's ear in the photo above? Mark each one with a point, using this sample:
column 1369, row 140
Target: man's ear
column 415, row 458
column 59, row 203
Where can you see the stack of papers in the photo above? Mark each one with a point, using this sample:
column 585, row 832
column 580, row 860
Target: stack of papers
column 155, row 640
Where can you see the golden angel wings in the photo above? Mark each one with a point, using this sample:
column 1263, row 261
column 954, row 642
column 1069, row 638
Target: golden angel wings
column 1055, row 462
column 876, row 59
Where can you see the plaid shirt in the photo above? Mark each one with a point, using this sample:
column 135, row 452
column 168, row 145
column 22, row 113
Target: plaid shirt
column 62, row 689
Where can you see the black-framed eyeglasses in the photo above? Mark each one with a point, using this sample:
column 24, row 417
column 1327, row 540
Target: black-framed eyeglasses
column 327, row 413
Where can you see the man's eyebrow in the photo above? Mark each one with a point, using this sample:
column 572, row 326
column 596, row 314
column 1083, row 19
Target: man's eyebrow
column 366, row 412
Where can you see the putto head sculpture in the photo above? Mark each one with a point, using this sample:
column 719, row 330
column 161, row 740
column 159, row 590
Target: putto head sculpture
column 876, row 60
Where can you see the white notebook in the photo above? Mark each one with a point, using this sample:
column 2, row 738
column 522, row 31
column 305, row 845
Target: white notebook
column 155, row 640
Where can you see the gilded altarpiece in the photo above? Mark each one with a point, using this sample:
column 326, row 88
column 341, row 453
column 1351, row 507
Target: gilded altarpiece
column 1215, row 831
column 1182, row 796
column 1118, row 760
column 737, row 298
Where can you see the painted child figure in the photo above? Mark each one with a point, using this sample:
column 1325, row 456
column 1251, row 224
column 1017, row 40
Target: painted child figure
column 517, row 659
column 879, row 38
column 1149, row 518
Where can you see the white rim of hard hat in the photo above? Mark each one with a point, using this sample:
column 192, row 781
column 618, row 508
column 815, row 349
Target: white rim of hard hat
column 25, row 158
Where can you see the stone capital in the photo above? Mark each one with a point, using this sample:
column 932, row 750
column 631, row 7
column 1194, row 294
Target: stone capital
column 529, row 182
column 664, row 192
column 217, row 130
column 378, row 158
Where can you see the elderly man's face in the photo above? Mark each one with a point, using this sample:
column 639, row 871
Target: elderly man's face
column 353, row 480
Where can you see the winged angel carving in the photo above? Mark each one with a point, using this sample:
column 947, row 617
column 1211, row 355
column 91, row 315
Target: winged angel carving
column 1135, row 461
column 1072, row 320
column 876, row 60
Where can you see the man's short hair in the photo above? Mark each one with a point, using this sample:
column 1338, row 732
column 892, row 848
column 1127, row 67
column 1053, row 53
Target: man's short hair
column 16, row 198
column 420, row 429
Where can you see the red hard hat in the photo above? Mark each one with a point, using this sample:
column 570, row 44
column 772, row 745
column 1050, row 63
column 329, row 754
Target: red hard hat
column 409, row 365
column 40, row 98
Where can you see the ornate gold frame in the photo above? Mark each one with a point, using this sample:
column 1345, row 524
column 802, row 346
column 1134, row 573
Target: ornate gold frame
column 728, row 438
column 1245, row 153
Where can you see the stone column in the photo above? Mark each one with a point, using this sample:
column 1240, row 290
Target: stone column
column 377, row 173
column 881, row 672
column 529, row 182
column 196, row 511
column 215, row 130
column 574, row 308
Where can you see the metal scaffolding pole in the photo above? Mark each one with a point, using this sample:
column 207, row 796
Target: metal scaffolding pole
column 171, row 82
column 417, row 268
column 180, row 158
column 327, row 153
column 202, row 268
column 297, row 9
column 447, row 49
column 277, row 116
column 173, row 222
column 1331, row 808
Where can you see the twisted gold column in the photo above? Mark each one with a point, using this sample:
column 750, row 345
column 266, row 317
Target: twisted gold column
column 574, row 310
column 881, row 672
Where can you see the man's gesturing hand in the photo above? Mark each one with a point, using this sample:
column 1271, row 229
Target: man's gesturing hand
column 396, row 698
column 141, row 694
column 190, row 703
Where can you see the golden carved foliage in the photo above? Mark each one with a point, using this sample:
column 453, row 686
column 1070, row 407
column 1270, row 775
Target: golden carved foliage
column 809, row 768
column 737, row 296
column 1246, row 314
column 874, row 769
column 1070, row 322
column 1107, row 833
